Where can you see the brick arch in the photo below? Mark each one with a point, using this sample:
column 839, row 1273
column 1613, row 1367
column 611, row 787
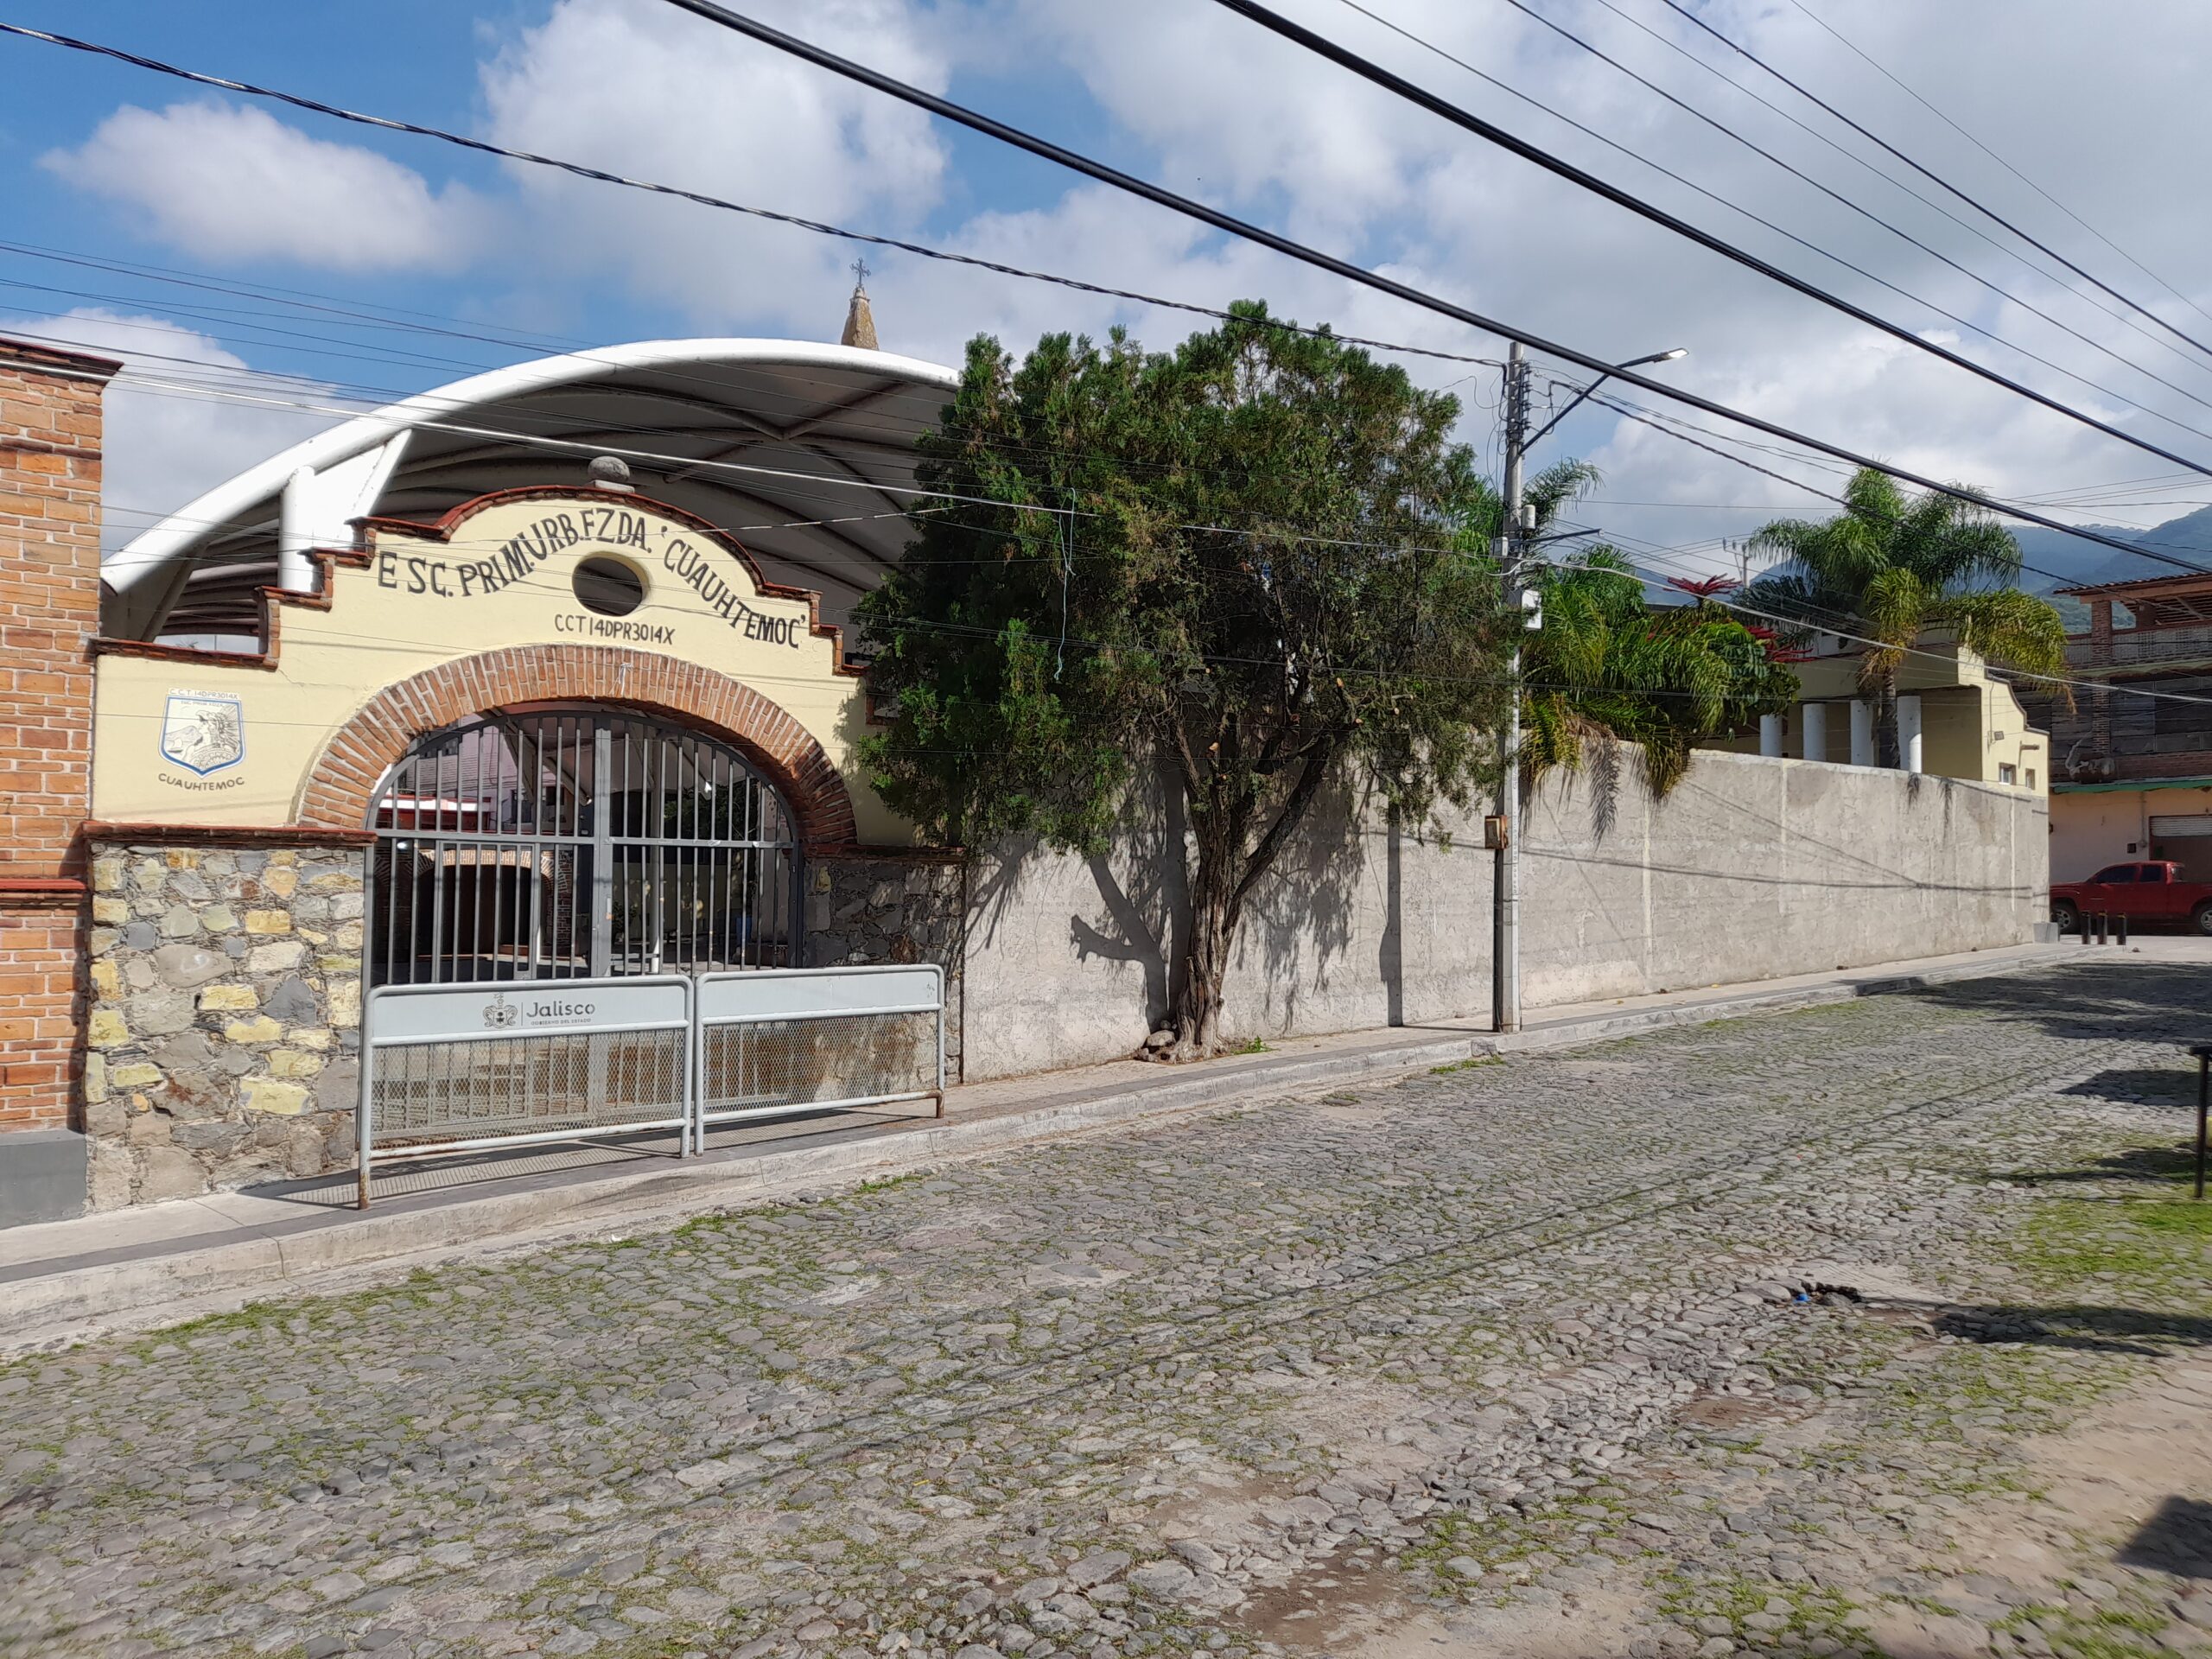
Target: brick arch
column 354, row 761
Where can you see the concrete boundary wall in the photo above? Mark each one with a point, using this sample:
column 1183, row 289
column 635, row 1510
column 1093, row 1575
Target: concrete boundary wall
column 1752, row 869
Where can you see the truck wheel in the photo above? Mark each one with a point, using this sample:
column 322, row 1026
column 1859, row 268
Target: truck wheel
column 2069, row 916
column 2200, row 919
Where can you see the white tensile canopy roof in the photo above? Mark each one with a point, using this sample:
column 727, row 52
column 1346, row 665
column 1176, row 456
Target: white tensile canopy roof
column 766, row 438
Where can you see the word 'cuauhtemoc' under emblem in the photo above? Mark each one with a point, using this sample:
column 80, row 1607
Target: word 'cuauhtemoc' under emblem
column 203, row 734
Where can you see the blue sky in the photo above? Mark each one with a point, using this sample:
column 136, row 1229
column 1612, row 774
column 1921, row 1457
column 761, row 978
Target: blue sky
column 110, row 163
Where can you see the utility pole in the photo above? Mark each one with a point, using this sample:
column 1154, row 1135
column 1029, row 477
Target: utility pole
column 1505, row 908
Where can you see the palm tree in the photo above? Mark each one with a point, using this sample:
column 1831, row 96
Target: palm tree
column 1891, row 567
column 1607, row 668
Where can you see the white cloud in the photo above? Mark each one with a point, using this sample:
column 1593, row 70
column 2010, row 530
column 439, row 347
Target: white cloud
column 237, row 185
column 648, row 91
column 182, row 416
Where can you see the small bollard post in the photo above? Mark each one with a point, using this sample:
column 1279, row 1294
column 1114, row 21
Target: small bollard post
column 2085, row 930
column 2120, row 933
column 2203, row 1052
column 2104, row 926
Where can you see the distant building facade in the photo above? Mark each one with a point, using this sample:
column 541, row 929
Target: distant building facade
column 2133, row 773
column 1953, row 719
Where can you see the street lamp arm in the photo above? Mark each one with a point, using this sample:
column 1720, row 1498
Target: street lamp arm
column 1576, row 402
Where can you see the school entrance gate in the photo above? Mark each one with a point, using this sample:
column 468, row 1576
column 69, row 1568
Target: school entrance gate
column 586, row 921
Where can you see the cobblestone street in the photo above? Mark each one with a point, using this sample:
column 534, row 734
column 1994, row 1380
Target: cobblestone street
column 1505, row 1360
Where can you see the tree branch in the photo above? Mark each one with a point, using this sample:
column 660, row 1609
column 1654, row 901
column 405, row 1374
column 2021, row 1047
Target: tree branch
column 1294, row 811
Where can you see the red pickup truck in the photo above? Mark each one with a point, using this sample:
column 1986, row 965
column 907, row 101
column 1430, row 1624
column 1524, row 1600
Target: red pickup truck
column 2152, row 891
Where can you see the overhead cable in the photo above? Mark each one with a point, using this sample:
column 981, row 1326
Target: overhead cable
column 1078, row 163
column 1165, row 198
column 1986, row 211
column 1345, row 58
column 1810, row 246
column 700, row 198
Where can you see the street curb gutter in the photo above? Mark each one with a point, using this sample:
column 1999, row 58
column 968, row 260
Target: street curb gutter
column 76, row 1298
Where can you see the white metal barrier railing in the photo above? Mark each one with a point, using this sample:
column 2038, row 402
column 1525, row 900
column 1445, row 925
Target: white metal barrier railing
column 466, row 1068
column 452, row 1068
column 776, row 1041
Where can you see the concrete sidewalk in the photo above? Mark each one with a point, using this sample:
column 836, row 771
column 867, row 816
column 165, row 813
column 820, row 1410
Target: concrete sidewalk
column 156, row 1263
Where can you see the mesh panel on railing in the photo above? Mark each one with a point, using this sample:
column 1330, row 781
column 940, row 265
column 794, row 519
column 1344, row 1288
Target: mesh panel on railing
column 843, row 1057
column 523, row 1085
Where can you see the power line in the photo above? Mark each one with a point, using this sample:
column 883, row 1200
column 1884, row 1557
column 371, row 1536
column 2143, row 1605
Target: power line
column 1076, row 162
column 1812, row 247
column 1345, row 58
column 700, row 198
column 1986, row 211
column 1905, row 236
column 2009, row 252
column 1932, row 109
column 1124, row 182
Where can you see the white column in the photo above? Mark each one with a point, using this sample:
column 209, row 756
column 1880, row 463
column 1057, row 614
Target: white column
column 1770, row 730
column 1908, row 733
column 296, row 533
column 1815, row 735
column 1862, row 731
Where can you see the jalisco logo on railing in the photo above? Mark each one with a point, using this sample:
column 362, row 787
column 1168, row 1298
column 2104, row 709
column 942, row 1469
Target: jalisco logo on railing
column 428, row 576
column 539, row 1012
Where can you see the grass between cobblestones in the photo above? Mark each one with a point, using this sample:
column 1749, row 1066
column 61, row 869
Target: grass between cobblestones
column 1500, row 1359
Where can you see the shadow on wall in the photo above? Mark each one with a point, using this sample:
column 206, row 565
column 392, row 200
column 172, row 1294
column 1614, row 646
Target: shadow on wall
column 1752, row 868
column 1133, row 906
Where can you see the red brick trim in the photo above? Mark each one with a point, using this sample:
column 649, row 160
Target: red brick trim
column 161, row 653
column 29, row 354
column 40, row 447
column 229, row 835
column 356, row 758
column 900, row 855
column 39, row 890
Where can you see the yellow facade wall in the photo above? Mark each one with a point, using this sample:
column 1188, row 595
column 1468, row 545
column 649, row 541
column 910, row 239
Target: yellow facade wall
column 503, row 575
column 1971, row 725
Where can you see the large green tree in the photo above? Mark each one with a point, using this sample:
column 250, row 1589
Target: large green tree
column 1232, row 558
column 1607, row 667
column 1891, row 567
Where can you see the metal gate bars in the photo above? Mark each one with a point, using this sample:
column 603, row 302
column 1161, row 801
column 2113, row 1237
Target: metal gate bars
column 449, row 1069
column 567, row 842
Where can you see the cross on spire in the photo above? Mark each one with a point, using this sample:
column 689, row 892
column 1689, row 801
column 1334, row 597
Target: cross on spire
column 859, row 318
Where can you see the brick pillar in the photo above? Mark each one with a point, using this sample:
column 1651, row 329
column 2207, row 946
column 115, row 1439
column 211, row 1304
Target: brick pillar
column 49, row 610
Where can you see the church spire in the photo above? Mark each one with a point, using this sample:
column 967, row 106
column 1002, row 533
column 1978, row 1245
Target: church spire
column 859, row 321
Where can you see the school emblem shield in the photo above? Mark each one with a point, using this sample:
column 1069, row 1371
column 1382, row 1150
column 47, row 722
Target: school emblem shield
column 203, row 734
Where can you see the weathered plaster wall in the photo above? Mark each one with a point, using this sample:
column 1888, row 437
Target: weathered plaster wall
column 1752, row 869
column 225, row 1017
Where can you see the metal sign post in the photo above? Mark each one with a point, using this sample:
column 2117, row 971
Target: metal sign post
column 2203, row 1052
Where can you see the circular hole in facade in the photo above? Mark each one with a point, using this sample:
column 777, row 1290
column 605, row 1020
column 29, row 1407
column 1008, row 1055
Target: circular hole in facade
column 608, row 586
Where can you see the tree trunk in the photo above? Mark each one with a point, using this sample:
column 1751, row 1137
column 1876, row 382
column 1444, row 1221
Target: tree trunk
column 1197, row 1011
column 1888, row 751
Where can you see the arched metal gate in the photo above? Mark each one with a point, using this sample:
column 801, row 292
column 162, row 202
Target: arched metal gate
column 565, row 842
column 583, row 923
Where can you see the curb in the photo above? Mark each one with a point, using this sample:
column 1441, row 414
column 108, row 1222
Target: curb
column 82, row 1297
